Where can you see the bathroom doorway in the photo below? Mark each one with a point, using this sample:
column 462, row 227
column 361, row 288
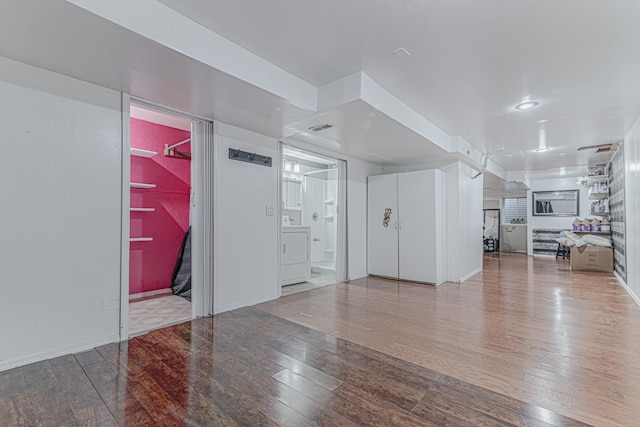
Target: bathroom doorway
column 312, row 200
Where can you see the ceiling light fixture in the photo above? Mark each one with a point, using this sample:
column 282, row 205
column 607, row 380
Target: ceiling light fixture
column 526, row 105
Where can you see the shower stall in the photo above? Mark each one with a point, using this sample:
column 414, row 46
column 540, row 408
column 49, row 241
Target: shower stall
column 319, row 201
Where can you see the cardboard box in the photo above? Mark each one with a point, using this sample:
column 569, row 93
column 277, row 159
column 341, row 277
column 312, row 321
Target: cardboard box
column 592, row 258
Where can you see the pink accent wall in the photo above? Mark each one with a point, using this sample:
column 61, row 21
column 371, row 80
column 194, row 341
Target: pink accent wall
column 151, row 263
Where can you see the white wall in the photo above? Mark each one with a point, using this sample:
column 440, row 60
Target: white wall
column 245, row 238
column 632, row 208
column 357, row 173
column 558, row 222
column 464, row 222
column 61, row 198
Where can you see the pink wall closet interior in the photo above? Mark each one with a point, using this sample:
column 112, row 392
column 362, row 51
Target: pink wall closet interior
column 151, row 262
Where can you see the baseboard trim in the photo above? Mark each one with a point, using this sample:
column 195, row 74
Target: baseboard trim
column 61, row 351
column 470, row 275
column 627, row 288
column 147, row 294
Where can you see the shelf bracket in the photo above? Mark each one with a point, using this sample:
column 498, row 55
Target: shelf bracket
column 170, row 150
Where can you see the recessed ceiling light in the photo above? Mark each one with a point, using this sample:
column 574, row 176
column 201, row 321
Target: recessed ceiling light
column 508, row 155
column 526, row 105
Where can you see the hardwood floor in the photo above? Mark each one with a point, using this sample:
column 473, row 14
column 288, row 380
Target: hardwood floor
column 248, row 368
column 527, row 328
column 527, row 343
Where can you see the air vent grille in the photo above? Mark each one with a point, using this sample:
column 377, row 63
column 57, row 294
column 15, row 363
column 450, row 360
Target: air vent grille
column 602, row 148
column 318, row 128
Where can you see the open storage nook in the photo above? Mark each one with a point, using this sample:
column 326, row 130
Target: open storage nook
column 160, row 217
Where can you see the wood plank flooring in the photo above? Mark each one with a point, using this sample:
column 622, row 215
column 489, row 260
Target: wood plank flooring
column 527, row 328
column 527, row 343
column 249, row 368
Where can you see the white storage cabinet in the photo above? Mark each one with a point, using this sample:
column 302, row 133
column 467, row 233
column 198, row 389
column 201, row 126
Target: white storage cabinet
column 406, row 226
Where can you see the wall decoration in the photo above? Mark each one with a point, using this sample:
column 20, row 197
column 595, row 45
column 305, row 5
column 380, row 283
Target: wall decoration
column 556, row 203
column 387, row 217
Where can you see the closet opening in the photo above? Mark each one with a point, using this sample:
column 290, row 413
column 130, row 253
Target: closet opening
column 160, row 218
column 313, row 221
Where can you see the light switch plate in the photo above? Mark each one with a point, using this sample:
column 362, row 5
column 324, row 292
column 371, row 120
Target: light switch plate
column 269, row 210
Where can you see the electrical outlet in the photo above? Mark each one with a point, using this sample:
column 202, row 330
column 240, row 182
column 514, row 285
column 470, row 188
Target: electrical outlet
column 269, row 210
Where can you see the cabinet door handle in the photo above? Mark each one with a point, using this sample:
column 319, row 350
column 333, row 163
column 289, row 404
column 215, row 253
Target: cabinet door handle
column 284, row 248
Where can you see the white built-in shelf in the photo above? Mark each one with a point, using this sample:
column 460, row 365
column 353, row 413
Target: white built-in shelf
column 142, row 153
column 329, row 217
column 142, row 209
column 599, row 213
column 141, row 185
column 140, row 239
column 598, row 196
column 595, row 179
column 328, row 202
column 591, row 232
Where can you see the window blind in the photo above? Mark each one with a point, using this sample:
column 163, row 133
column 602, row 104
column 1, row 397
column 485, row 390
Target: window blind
column 515, row 210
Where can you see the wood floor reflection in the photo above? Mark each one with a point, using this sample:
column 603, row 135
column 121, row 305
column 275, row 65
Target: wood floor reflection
column 527, row 328
column 527, row 343
column 249, row 368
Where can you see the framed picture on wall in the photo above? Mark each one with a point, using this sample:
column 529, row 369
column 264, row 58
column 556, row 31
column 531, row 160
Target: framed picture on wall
column 556, row 203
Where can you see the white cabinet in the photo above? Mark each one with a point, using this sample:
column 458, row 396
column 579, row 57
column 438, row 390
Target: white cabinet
column 296, row 254
column 406, row 226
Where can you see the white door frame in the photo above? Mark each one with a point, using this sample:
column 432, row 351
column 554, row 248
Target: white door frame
column 342, row 242
column 201, row 211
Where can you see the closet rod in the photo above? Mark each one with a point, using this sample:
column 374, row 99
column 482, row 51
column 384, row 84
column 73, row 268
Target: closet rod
column 179, row 144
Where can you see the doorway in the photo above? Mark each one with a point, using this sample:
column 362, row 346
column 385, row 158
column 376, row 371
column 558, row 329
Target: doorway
column 312, row 238
column 491, row 230
column 159, row 291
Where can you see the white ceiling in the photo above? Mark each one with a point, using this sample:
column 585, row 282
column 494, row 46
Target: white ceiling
column 470, row 63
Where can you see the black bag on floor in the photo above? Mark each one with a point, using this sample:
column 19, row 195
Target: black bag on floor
column 181, row 279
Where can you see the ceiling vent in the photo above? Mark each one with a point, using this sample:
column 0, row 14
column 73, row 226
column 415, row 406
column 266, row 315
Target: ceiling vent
column 609, row 147
column 318, row 128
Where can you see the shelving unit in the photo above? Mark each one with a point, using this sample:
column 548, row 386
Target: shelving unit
column 139, row 152
column 141, row 185
column 598, row 183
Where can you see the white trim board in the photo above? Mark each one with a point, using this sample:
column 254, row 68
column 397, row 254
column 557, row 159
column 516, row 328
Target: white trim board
column 628, row 289
column 5, row 365
column 470, row 275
